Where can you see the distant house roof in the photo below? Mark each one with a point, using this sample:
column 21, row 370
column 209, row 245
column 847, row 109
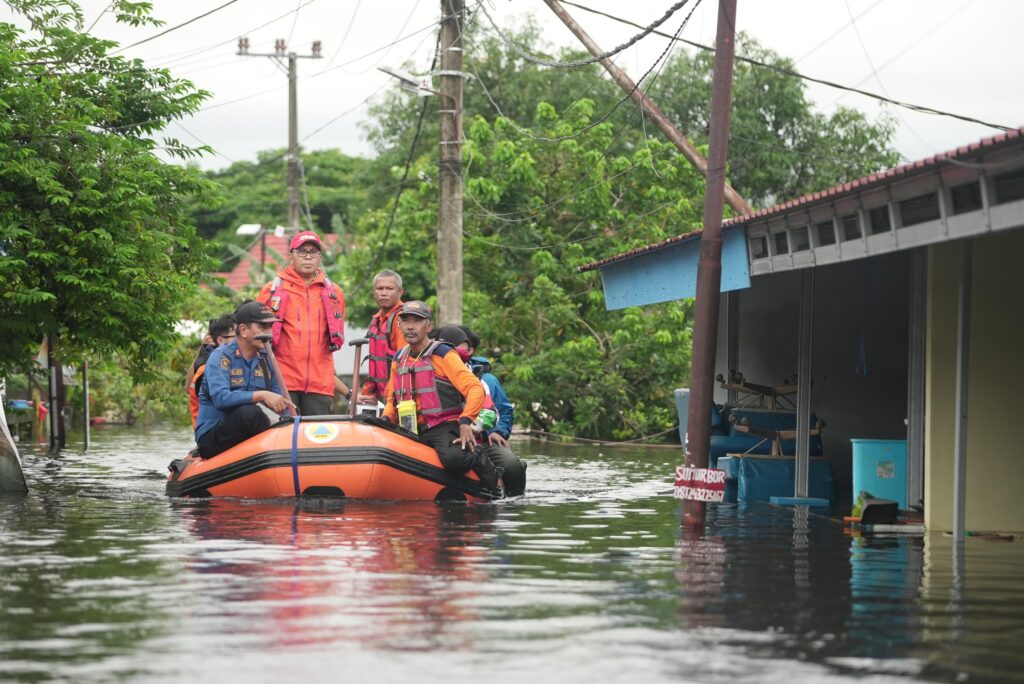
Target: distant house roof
column 1005, row 139
column 239, row 277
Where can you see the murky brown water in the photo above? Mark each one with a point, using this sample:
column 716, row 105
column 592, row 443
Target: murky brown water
column 585, row 579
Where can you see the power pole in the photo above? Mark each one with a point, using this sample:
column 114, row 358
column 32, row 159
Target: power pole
column 709, row 268
column 449, row 210
column 280, row 50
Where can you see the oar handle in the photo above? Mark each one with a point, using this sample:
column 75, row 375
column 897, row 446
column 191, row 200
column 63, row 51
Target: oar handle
column 358, row 344
column 267, row 340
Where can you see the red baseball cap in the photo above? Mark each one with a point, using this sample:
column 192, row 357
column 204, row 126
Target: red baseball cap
column 304, row 237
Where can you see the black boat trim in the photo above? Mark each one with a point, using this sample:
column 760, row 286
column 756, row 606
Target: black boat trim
column 278, row 458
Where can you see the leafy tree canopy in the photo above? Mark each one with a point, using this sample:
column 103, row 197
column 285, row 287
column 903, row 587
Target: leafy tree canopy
column 535, row 209
column 96, row 242
column 335, row 185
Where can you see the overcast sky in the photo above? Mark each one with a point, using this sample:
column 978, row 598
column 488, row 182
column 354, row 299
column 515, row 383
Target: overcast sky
column 962, row 56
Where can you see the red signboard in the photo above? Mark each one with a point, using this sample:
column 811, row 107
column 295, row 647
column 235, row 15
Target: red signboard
column 699, row 484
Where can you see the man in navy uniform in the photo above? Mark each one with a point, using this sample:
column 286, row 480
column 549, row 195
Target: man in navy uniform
column 238, row 377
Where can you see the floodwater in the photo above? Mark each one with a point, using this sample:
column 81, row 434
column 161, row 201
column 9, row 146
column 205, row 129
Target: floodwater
column 586, row 579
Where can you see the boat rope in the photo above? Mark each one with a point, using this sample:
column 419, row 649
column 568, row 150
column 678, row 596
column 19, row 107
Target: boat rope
column 295, row 453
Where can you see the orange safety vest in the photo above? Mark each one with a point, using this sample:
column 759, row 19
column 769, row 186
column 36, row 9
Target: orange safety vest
column 380, row 351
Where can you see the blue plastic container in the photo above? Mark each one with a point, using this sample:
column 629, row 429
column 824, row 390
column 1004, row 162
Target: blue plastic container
column 880, row 467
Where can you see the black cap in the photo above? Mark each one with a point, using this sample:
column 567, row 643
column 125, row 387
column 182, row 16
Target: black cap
column 416, row 308
column 452, row 334
column 254, row 312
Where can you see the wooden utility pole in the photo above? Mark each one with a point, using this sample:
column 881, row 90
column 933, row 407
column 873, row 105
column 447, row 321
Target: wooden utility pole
column 449, row 210
column 738, row 204
column 280, row 50
column 709, row 268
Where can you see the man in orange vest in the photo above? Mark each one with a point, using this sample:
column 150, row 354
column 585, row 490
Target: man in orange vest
column 312, row 326
column 433, row 393
column 385, row 336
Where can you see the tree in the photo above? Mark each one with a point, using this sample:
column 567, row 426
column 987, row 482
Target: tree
column 98, row 246
column 535, row 211
column 779, row 146
column 336, row 187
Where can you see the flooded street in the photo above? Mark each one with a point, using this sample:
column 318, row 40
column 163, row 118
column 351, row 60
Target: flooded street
column 587, row 578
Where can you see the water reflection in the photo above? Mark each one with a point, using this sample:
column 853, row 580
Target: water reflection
column 390, row 575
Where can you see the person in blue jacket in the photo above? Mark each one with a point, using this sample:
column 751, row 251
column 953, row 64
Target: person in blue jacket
column 497, row 437
column 238, row 378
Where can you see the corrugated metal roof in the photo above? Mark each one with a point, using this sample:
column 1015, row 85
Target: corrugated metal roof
column 874, row 179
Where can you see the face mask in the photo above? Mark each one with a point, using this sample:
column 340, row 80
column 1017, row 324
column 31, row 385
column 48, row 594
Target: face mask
column 464, row 354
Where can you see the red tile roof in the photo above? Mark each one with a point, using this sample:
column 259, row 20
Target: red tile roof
column 880, row 178
column 238, row 277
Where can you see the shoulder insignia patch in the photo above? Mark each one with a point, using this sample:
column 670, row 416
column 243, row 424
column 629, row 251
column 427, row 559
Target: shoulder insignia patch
column 225, row 362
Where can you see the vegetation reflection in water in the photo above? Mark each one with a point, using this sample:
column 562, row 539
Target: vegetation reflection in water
column 586, row 578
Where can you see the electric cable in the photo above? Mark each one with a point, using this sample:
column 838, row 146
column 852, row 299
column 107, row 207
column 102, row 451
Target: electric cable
column 796, row 74
column 175, row 28
column 405, row 175
column 187, row 54
column 646, row 31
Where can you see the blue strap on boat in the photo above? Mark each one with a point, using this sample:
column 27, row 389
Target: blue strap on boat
column 295, row 454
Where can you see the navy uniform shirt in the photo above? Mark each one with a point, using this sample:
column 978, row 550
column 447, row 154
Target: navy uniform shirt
column 229, row 381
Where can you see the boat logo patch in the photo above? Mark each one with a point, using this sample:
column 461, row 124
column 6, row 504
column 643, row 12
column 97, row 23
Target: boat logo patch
column 321, row 433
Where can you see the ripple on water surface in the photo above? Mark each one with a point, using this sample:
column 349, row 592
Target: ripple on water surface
column 586, row 578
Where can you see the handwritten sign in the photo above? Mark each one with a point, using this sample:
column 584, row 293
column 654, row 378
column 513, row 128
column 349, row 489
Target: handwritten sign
column 699, row 484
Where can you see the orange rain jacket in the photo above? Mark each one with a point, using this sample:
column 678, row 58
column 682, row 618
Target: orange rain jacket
column 303, row 352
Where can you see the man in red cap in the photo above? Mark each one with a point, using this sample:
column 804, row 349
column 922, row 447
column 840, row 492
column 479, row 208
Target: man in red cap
column 312, row 326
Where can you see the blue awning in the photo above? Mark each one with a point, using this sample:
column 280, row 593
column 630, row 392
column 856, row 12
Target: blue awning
column 671, row 273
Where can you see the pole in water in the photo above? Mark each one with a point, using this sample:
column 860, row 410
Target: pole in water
column 267, row 340
column 709, row 268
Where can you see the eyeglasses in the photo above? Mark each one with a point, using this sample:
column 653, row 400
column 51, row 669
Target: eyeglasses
column 307, row 253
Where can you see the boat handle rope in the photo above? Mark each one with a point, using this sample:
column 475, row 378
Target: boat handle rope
column 295, row 454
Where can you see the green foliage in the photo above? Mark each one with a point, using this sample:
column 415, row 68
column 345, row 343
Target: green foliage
column 159, row 395
column 534, row 212
column 336, row 186
column 779, row 146
column 98, row 245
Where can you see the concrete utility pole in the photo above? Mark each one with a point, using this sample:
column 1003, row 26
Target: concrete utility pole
column 709, row 268
column 280, row 48
column 738, row 204
column 449, row 210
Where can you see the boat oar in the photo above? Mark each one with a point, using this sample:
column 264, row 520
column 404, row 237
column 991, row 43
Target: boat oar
column 267, row 340
column 358, row 344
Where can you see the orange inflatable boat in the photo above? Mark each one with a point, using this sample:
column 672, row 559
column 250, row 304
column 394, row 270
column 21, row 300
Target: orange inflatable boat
column 358, row 457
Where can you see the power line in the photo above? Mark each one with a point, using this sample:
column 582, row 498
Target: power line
column 796, row 74
column 646, row 31
column 405, row 175
column 187, row 54
column 662, row 60
column 295, row 21
column 530, row 134
column 174, row 28
column 344, row 38
column 836, row 33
